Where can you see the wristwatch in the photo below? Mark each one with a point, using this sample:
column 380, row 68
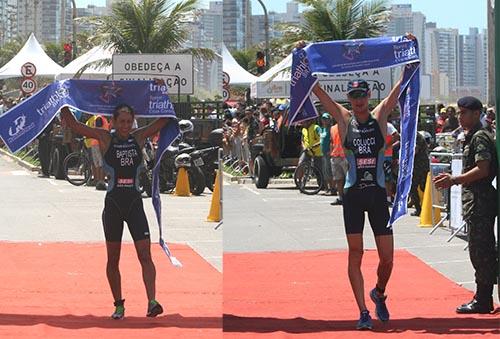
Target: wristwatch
column 453, row 180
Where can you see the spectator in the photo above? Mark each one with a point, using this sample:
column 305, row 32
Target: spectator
column 339, row 163
column 420, row 170
column 441, row 120
column 325, row 139
column 44, row 148
column 95, row 152
column 451, row 122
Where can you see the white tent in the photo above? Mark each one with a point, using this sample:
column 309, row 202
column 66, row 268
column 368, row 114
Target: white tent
column 93, row 72
column 275, row 83
column 34, row 53
column 237, row 74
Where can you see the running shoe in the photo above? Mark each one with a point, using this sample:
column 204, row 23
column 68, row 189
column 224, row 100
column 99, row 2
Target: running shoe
column 380, row 308
column 119, row 310
column 365, row 321
column 154, row 309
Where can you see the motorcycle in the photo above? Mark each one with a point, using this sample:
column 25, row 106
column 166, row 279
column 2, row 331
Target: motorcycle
column 207, row 160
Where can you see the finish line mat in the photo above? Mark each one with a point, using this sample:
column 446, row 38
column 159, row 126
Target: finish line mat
column 283, row 294
column 60, row 290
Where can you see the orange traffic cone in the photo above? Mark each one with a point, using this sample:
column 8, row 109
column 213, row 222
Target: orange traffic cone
column 182, row 184
column 215, row 206
column 426, row 213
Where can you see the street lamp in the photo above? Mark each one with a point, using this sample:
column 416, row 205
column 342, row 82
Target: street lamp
column 74, row 28
column 266, row 30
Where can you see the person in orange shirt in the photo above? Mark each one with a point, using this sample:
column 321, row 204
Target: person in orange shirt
column 338, row 162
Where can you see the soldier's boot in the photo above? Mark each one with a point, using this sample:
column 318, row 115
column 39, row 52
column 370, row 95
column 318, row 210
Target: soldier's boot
column 481, row 303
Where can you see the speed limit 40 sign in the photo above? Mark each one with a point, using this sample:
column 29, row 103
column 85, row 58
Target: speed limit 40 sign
column 28, row 86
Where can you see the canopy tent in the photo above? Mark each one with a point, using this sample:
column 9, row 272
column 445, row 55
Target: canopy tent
column 237, row 74
column 34, row 53
column 275, row 83
column 92, row 72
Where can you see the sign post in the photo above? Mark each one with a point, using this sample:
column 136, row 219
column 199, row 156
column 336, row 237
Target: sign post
column 226, row 93
column 28, row 84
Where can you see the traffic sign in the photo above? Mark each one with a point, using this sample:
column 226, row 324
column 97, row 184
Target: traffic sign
column 28, row 86
column 225, row 79
column 28, row 70
column 225, row 94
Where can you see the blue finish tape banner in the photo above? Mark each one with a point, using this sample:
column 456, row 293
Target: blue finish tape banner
column 344, row 56
column 24, row 122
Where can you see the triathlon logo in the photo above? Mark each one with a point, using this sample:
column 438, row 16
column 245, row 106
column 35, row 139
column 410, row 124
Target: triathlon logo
column 19, row 125
column 352, row 50
column 110, row 92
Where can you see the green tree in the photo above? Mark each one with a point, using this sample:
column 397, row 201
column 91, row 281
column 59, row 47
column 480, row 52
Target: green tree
column 55, row 52
column 326, row 20
column 148, row 26
column 246, row 59
column 11, row 48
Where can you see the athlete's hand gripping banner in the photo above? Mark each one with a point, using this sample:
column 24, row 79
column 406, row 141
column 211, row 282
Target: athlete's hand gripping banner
column 149, row 99
column 345, row 56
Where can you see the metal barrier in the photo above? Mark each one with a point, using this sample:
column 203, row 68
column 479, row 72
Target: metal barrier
column 448, row 201
column 221, row 190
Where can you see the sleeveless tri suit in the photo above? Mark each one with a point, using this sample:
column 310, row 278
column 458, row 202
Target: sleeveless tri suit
column 365, row 181
column 123, row 202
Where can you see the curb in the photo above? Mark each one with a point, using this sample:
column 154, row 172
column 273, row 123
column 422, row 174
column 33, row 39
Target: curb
column 249, row 180
column 21, row 162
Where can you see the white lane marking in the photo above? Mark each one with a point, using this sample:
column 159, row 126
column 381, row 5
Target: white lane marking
column 20, row 172
column 53, row 182
column 465, row 282
column 447, row 262
column 251, row 190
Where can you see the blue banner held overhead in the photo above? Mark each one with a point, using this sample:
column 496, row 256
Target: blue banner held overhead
column 24, row 122
column 332, row 57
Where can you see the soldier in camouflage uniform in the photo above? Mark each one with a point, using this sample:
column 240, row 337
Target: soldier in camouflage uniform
column 420, row 169
column 479, row 201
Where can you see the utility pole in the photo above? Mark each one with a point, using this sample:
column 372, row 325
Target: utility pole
column 496, row 5
column 73, row 42
column 491, row 56
column 63, row 21
column 266, row 30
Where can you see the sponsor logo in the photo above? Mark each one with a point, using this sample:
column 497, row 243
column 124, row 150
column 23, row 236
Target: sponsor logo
column 367, row 176
column 352, row 50
column 109, row 93
column 302, row 69
column 19, row 124
column 404, row 52
column 366, row 162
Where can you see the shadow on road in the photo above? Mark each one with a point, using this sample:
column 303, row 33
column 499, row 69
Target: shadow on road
column 488, row 324
column 70, row 321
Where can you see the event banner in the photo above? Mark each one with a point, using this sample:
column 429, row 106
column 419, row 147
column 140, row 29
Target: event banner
column 344, row 56
column 24, row 122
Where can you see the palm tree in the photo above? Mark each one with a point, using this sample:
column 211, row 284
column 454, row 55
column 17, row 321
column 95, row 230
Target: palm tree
column 246, row 59
column 55, row 52
column 148, row 26
column 327, row 20
column 11, row 48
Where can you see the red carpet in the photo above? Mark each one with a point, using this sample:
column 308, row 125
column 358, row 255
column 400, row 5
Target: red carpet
column 308, row 294
column 59, row 290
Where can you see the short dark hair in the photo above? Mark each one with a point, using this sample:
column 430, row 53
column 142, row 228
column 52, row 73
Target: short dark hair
column 116, row 111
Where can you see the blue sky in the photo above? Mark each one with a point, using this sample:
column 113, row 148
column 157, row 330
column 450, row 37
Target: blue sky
column 460, row 14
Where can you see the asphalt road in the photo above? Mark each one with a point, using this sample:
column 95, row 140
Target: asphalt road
column 48, row 210
column 280, row 218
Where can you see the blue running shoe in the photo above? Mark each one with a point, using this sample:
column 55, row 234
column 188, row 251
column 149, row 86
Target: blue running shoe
column 365, row 321
column 380, row 308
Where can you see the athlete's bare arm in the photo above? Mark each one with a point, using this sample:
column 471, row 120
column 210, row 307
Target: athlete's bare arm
column 142, row 133
column 91, row 132
column 338, row 112
column 384, row 109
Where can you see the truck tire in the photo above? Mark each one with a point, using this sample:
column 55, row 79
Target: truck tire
column 261, row 172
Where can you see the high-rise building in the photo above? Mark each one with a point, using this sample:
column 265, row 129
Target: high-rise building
column 473, row 64
column 8, row 15
column 206, row 32
column 237, row 24
column 50, row 20
column 90, row 10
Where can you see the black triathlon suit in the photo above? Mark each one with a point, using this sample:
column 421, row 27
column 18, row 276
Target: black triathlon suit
column 123, row 202
column 365, row 180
